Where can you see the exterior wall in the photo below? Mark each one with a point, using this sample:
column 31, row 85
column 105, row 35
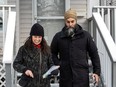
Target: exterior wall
column 25, row 16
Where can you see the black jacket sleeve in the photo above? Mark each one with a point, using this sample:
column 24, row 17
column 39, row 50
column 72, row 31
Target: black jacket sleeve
column 18, row 63
column 93, row 53
column 54, row 50
column 50, row 61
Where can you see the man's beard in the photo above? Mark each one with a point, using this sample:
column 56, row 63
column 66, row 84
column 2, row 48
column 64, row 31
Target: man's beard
column 70, row 32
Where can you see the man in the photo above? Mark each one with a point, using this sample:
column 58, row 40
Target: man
column 70, row 48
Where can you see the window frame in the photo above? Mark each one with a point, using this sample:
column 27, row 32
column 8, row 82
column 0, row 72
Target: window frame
column 36, row 18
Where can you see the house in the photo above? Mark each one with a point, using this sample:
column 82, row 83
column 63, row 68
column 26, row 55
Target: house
column 49, row 13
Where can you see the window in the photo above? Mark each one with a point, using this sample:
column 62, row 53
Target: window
column 2, row 2
column 50, row 14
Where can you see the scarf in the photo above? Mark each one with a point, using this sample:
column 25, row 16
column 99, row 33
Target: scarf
column 37, row 46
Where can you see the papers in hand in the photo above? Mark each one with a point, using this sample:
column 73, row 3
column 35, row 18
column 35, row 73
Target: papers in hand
column 50, row 70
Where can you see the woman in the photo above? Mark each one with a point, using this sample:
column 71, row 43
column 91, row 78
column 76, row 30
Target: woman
column 33, row 59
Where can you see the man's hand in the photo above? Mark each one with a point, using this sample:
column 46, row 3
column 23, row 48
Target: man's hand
column 96, row 77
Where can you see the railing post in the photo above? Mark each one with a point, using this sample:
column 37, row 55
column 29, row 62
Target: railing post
column 9, row 82
column 114, row 74
column 115, row 25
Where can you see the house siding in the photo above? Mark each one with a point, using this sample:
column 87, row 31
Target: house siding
column 25, row 17
column 11, row 2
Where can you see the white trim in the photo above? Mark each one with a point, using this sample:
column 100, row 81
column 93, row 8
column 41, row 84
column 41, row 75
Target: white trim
column 7, row 6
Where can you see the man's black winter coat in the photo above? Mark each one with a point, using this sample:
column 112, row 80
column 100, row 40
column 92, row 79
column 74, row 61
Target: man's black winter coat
column 71, row 53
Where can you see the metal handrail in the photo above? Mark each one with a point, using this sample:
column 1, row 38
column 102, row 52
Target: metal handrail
column 110, row 47
column 108, row 14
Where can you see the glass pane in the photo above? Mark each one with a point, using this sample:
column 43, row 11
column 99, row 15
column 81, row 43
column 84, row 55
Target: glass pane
column 50, row 7
column 51, row 27
column 2, row 2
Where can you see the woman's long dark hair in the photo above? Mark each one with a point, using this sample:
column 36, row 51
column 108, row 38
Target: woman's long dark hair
column 45, row 49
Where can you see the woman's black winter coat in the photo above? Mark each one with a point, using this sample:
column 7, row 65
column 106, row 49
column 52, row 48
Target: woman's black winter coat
column 73, row 57
column 30, row 59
